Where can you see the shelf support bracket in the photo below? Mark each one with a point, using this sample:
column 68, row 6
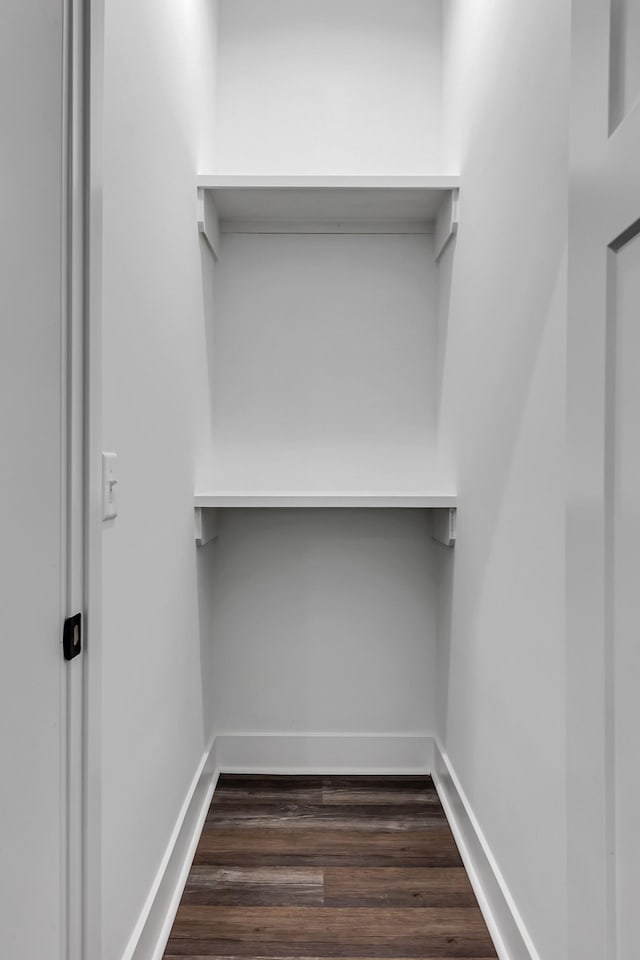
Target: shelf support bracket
column 446, row 225
column 443, row 526
column 208, row 223
column 206, row 525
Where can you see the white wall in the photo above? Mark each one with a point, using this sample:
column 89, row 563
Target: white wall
column 156, row 723
column 329, row 86
column 322, row 354
column 324, row 622
column 31, row 445
column 503, row 412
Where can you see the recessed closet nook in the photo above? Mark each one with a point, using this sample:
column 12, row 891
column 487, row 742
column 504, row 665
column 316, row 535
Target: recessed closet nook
column 326, row 507
column 333, row 373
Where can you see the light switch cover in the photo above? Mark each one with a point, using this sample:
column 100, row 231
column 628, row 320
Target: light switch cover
column 109, row 482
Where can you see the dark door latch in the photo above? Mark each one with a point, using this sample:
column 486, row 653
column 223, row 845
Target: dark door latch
column 72, row 637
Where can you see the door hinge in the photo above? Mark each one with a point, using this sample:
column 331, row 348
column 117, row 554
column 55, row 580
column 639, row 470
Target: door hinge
column 72, row 637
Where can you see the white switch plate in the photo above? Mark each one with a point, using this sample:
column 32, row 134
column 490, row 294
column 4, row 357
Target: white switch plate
column 109, row 481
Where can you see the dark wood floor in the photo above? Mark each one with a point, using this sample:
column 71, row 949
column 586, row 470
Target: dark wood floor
column 311, row 867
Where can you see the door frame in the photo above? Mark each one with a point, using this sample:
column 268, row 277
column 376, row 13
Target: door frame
column 603, row 198
column 82, row 85
column 92, row 78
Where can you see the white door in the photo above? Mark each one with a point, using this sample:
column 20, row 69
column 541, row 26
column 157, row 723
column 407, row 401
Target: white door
column 41, row 521
column 603, row 530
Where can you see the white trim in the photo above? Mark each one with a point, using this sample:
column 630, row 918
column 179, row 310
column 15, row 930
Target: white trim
column 506, row 926
column 355, row 754
column 94, row 40
column 151, row 932
column 76, row 228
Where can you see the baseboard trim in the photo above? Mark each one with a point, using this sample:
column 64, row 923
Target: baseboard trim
column 506, row 926
column 324, row 754
column 151, row 933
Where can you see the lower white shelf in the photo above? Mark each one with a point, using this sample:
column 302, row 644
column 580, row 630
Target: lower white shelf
column 442, row 505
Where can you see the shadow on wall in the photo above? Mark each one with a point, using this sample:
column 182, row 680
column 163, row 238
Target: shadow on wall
column 205, row 557
column 491, row 360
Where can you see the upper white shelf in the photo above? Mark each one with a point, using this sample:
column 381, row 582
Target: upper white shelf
column 327, row 205
column 419, row 499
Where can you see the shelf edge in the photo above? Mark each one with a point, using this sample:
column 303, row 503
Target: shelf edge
column 424, row 501
column 211, row 181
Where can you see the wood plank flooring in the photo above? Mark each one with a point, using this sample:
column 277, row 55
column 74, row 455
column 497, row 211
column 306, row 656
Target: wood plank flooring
column 313, row 867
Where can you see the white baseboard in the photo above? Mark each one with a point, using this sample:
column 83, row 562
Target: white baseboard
column 324, row 754
column 149, row 938
column 510, row 936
